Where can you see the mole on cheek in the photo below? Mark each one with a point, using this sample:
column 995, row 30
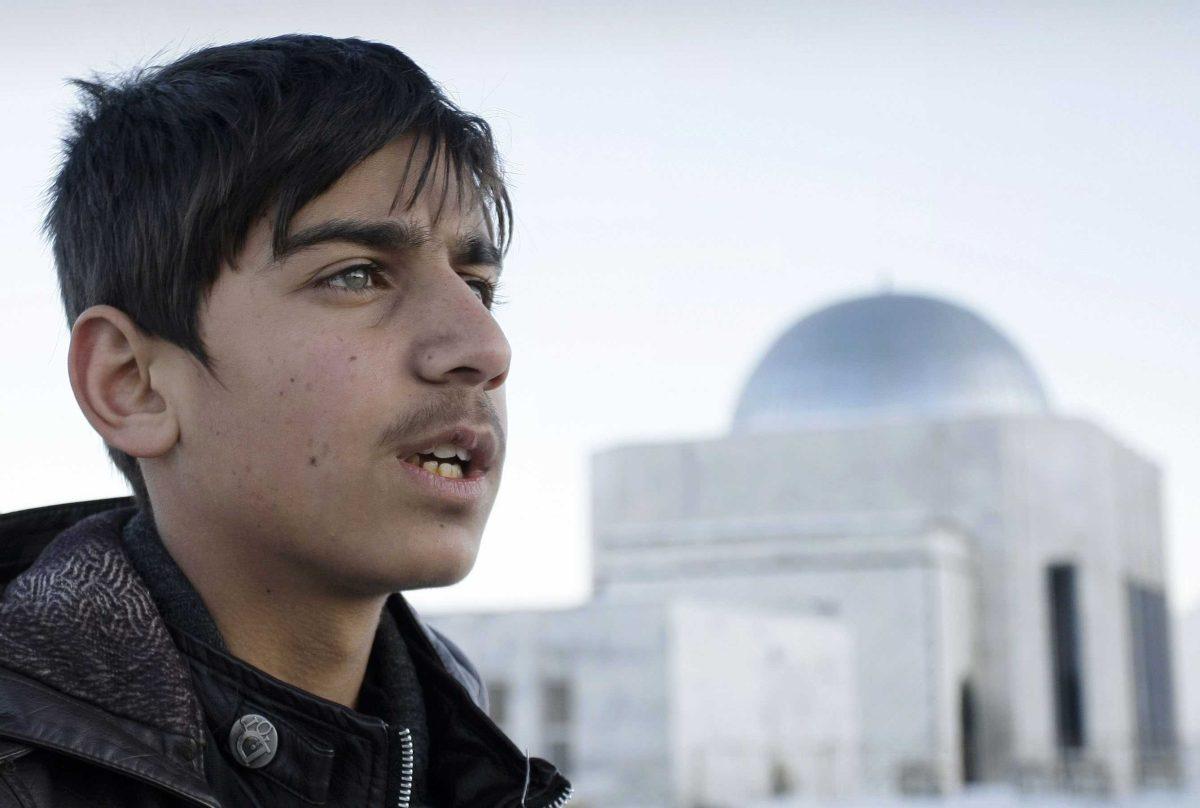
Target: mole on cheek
column 353, row 358
column 312, row 460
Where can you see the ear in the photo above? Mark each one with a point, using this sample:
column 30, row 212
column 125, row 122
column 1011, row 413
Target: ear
column 109, row 363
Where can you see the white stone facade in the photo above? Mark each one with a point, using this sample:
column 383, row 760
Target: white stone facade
column 956, row 597
column 687, row 703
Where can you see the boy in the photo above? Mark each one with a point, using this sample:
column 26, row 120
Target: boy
column 278, row 260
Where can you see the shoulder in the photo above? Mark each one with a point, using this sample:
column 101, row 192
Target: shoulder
column 423, row 638
column 13, row 790
column 457, row 663
column 25, row 534
column 33, row 777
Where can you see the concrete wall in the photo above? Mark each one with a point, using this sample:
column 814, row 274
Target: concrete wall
column 928, row 541
column 1187, row 670
column 1027, row 491
column 1075, row 495
column 677, row 704
column 906, row 600
column 615, row 662
column 761, row 704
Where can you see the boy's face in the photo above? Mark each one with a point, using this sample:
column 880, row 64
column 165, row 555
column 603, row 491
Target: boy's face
column 325, row 382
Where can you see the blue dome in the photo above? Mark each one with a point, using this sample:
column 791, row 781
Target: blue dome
column 887, row 356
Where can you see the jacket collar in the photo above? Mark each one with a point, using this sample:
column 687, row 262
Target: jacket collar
column 85, row 653
column 473, row 762
column 327, row 752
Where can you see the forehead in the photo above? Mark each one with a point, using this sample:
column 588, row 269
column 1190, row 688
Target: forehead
column 383, row 184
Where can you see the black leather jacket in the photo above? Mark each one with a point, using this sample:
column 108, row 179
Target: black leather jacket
column 97, row 707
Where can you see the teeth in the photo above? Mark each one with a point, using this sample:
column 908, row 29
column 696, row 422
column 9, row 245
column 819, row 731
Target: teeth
column 448, row 450
column 451, row 470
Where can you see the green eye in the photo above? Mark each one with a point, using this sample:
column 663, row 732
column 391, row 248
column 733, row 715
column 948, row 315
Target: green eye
column 356, row 279
column 363, row 278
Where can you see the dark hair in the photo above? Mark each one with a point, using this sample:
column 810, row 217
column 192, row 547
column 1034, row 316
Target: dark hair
column 165, row 169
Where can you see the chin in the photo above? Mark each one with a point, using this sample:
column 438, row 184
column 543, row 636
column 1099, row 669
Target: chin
column 446, row 565
column 450, row 573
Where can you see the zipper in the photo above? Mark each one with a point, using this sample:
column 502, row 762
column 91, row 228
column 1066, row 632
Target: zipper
column 406, row 775
column 406, row 769
column 563, row 799
column 448, row 685
column 559, row 801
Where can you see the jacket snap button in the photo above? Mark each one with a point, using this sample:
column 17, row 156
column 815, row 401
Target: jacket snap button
column 253, row 741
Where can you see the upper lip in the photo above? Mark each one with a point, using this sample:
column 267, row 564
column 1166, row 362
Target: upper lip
column 479, row 441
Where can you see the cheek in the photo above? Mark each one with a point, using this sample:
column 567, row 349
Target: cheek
column 322, row 404
column 291, row 417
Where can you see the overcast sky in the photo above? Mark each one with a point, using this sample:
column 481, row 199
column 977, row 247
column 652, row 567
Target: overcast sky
column 689, row 181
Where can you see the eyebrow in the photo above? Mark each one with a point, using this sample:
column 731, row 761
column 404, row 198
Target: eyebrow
column 388, row 236
column 478, row 250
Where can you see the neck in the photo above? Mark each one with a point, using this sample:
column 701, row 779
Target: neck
column 274, row 617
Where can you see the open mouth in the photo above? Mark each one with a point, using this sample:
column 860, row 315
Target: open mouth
column 453, row 468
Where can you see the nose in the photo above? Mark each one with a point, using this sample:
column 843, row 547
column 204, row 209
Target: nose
column 459, row 341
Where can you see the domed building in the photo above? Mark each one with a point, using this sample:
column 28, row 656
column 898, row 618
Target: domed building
column 901, row 571
column 887, row 356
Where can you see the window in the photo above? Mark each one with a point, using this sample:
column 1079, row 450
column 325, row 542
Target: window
column 1154, row 690
column 556, row 701
column 498, row 701
column 1065, row 656
column 556, row 722
column 559, row 753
